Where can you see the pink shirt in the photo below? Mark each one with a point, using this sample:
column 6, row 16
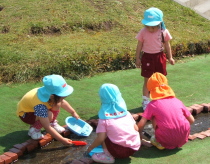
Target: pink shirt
column 172, row 127
column 152, row 42
column 120, row 131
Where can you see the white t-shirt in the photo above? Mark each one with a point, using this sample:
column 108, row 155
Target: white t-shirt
column 152, row 42
column 121, row 131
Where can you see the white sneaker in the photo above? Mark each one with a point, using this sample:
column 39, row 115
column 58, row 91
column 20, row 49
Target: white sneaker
column 35, row 133
column 103, row 158
column 57, row 127
column 155, row 143
column 145, row 103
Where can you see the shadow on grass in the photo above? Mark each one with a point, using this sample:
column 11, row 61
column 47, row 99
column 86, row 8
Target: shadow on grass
column 123, row 161
column 153, row 152
column 13, row 138
column 136, row 110
column 147, row 153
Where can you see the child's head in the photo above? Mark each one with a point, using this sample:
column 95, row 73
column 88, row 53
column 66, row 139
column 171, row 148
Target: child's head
column 112, row 103
column 152, row 28
column 54, row 85
column 158, row 87
column 153, row 17
column 54, row 99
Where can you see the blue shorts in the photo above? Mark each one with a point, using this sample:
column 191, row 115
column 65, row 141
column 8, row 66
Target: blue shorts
column 151, row 63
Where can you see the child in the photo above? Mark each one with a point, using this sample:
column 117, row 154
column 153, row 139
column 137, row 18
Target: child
column 149, row 52
column 117, row 131
column 170, row 118
column 41, row 106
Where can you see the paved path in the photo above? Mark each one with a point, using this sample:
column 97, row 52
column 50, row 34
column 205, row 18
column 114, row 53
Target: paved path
column 202, row 7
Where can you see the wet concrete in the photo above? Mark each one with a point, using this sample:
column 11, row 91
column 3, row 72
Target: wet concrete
column 56, row 153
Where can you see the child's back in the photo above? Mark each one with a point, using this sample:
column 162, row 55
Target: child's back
column 120, row 131
column 117, row 130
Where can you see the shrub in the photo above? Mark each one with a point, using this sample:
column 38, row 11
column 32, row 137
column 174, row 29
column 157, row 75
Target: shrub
column 15, row 67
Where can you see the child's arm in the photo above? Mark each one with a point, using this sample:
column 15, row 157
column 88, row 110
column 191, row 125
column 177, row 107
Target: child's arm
column 141, row 125
column 138, row 54
column 98, row 141
column 65, row 105
column 169, row 53
column 136, row 127
column 190, row 119
column 46, row 124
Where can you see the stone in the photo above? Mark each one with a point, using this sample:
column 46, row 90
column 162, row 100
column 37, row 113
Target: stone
column 7, row 159
column 14, row 156
column 17, row 151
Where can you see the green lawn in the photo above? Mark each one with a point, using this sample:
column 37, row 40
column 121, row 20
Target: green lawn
column 34, row 34
column 189, row 79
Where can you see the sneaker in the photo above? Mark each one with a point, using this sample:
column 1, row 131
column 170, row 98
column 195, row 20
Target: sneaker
column 57, row 127
column 35, row 133
column 103, row 158
column 145, row 103
column 156, row 144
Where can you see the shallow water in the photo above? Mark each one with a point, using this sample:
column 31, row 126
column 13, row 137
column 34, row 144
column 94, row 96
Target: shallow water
column 56, row 153
column 202, row 123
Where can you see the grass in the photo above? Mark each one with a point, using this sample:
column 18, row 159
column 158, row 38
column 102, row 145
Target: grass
column 189, row 79
column 82, row 25
column 45, row 37
column 77, row 26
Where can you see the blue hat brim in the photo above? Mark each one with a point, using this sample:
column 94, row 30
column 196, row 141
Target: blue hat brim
column 67, row 92
column 152, row 23
column 44, row 96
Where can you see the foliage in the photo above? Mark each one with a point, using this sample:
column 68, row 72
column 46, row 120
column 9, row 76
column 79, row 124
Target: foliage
column 75, row 67
column 16, row 68
column 77, row 38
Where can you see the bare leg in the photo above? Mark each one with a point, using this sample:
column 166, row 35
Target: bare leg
column 145, row 90
column 105, row 148
column 104, row 145
column 154, row 125
column 145, row 96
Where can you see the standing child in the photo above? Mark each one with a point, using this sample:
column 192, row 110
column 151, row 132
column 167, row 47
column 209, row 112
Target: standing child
column 41, row 106
column 170, row 118
column 152, row 40
column 117, row 131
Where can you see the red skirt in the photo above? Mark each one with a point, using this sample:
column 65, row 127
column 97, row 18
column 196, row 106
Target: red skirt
column 118, row 151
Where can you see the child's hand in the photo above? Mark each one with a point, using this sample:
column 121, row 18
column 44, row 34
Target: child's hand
column 75, row 115
column 66, row 141
column 171, row 61
column 138, row 63
column 89, row 149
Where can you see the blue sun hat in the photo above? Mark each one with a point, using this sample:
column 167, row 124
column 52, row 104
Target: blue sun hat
column 112, row 103
column 153, row 17
column 54, row 84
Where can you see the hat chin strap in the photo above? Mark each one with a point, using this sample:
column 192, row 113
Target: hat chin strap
column 163, row 27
